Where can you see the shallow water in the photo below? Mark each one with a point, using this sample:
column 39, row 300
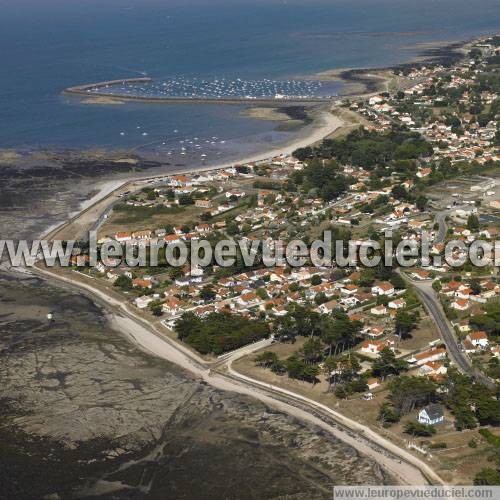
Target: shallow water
column 49, row 46
column 145, row 426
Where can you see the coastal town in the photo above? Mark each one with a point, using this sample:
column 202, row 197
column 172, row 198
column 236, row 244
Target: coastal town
column 250, row 250
column 413, row 353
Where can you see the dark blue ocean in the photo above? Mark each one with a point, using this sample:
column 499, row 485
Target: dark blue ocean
column 48, row 45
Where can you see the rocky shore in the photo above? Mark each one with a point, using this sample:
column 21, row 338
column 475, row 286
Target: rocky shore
column 87, row 414
column 362, row 81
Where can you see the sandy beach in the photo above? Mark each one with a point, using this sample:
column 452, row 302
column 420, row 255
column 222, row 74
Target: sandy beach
column 406, row 468
column 325, row 123
column 401, row 464
column 103, row 100
column 365, row 82
column 109, row 191
column 103, row 398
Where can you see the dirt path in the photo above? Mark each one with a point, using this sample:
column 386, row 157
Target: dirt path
column 406, row 468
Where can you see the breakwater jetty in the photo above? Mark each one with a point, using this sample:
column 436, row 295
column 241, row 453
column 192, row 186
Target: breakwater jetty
column 93, row 90
column 91, row 87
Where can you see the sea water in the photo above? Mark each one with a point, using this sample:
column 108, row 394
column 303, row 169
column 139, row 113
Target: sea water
column 48, row 46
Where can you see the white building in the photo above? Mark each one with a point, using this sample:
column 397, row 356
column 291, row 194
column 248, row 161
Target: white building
column 478, row 339
column 431, row 415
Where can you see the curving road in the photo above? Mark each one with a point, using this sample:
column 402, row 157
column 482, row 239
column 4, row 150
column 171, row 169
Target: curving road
column 443, row 227
column 431, row 302
column 403, row 466
column 150, row 337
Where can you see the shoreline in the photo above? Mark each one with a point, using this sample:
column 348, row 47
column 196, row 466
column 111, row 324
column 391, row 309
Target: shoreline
column 402, row 465
column 324, row 125
column 366, row 82
column 111, row 188
column 407, row 468
column 397, row 462
column 363, row 82
column 358, row 82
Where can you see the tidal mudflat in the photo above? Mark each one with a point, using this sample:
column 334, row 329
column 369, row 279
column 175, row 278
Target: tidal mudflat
column 86, row 413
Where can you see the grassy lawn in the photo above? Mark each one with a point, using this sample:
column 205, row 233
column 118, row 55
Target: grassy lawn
column 458, row 463
column 352, row 121
column 142, row 218
column 425, row 332
column 318, row 392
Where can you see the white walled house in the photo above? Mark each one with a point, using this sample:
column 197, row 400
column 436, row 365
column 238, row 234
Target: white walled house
column 143, row 301
column 378, row 310
column 478, row 339
column 372, row 347
column 431, row 415
column 428, row 356
column 384, row 288
column 397, row 304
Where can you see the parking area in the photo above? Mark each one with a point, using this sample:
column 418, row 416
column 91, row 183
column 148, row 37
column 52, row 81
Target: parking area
column 465, row 191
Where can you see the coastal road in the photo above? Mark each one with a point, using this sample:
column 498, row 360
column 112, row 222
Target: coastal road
column 151, row 338
column 431, row 303
column 365, row 440
column 91, row 216
column 402, row 465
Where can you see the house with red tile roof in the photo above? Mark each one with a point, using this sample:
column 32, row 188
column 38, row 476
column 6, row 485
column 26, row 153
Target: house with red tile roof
column 397, row 304
column 372, row 347
column 420, row 274
column 172, row 306
column 432, row 368
column 328, row 307
column 460, row 304
column 478, row 339
column 123, row 236
column 142, row 283
column 378, row 310
column 383, row 288
column 427, row 356
column 172, row 238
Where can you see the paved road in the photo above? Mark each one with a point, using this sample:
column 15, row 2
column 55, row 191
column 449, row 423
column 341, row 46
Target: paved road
column 405, row 467
column 431, row 303
column 433, row 306
column 443, row 227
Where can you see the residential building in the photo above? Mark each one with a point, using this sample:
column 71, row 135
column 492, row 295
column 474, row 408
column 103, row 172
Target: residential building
column 478, row 339
column 431, row 415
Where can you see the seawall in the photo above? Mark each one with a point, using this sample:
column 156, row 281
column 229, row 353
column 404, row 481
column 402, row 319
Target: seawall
column 83, row 90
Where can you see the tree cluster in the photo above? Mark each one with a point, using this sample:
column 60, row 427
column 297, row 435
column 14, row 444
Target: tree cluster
column 219, row 332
